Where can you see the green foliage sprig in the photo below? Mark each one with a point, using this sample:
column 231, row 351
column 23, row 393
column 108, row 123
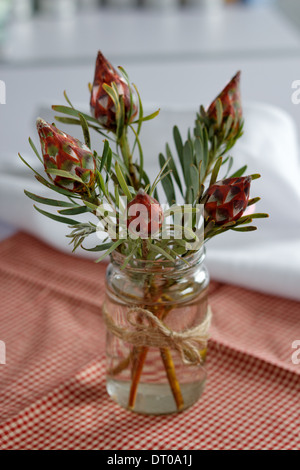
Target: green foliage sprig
column 192, row 172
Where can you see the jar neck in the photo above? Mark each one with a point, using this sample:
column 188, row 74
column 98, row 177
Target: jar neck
column 181, row 264
column 155, row 282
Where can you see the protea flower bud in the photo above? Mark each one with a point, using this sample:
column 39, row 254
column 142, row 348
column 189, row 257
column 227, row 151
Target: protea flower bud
column 102, row 105
column 145, row 215
column 230, row 98
column 63, row 152
column 227, row 199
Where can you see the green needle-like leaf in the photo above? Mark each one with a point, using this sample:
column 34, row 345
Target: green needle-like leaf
column 215, row 172
column 64, row 174
column 63, row 220
column 46, row 183
column 230, row 163
column 159, row 176
column 109, row 160
column 90, row 205
column 113, row 247
column 85, row 130
column 259, row 215
column 67, row 99
column 179, row 145
column 141, row 111
column 219, row 109
column 253, row 201
column 195, row 179
column 35, row 150
column 73, row 112
column 57, row 189
column 104, row 155
column 173, row 167
column 47, row 201
column 122, row 181
column 74, row 211
column 102, row 184
column 228, row 126
column 239, row 172
column 244, row 229
column 167, row 182
column 103, row 247
column 148, row 117
column 205, row 148
column 120, row 117
column 141, row 154
column 117, row 197
column 187, row 162
column 126, row 76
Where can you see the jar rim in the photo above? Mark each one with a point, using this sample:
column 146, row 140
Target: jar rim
column 181, row 263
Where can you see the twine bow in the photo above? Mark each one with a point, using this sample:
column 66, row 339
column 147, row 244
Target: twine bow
column 188, row 343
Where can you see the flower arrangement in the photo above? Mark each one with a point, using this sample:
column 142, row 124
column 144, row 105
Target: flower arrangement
column 113, row 187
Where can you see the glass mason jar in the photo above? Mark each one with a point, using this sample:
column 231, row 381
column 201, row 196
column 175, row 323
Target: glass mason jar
column 152, row 376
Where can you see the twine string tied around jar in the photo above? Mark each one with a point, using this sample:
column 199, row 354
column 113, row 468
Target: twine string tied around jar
column 188, row 343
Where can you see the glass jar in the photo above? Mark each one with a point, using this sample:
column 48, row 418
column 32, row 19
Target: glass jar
column 155, row 375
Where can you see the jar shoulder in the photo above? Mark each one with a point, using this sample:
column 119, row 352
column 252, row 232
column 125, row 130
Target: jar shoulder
column 149, row 288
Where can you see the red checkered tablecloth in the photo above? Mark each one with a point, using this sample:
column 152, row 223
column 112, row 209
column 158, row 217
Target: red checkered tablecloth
column 52, row 387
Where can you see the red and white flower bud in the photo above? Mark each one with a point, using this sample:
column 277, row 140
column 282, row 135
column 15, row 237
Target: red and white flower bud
column 144, row 215
column 102, row 105
column 63, row 152
column 227, row 200
column 230, row 98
